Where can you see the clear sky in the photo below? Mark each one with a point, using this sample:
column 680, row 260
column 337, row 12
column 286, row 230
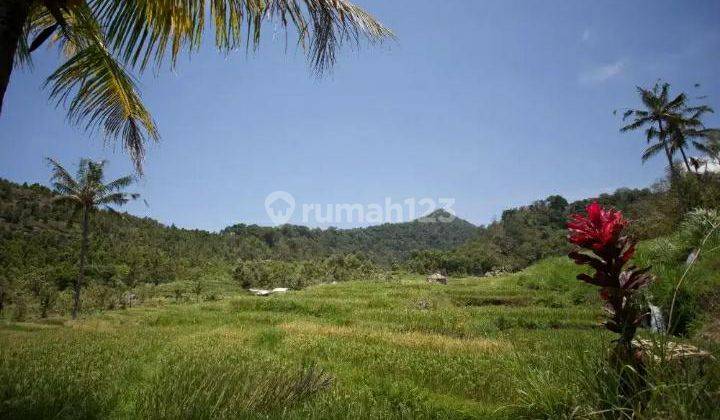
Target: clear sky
column 492, row 103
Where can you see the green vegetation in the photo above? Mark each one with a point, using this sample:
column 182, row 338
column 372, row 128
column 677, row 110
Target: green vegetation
column 167, row 330
column 530, row 233
column 384, row 244
column 85, row 193
column 129, row 255
column 670, row 123
column 40, row 239
column 498, row 347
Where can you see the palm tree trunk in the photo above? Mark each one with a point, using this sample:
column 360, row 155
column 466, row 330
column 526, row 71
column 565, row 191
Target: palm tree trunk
column 13, row 14
column 83, row 254
column 685, row 159
column 668, row 153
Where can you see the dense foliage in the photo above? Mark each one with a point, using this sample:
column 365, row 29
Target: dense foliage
column 39, row 248
column 39, row 244
column 530, row 233
column 384, row 244
column 299, row 274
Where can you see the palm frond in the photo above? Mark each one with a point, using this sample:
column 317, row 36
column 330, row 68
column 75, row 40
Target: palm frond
column 698, row 111
column 61, row 176
column 103, row 94
column 63, row 189
column 677, row 103
column 652, row 151
column 33, row 24
column 118, row 199
column 639, row 122
column 95, row 175
column 89, row 189
column 648, row 97
column 145, row 31
column 638, row 113
column 664, row 92
column 651, row 134
column 116, row 185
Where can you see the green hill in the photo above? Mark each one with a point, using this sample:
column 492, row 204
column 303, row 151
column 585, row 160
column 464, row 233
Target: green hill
column 39, row 237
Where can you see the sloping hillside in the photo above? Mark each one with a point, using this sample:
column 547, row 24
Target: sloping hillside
column 386, row 243
column 38, row 236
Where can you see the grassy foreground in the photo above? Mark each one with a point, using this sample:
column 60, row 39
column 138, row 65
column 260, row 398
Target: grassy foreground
column 477, row 348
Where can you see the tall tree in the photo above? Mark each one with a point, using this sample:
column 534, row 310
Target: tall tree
column 691, row 131
column 86, row 192
column 658, row 115
column 103, row 39
column 709, row 144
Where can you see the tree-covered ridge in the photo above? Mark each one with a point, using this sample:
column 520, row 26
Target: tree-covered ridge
column 384, row 244
column 530, row 233
column 37, row 236
column 40, row 238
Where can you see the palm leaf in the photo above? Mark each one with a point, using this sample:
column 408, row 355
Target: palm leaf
column 648, row 98
column 143, row 31
column 67, row 199
column 652, row 151
column 60, row 176
column 118, row 199
column 103, row 94
column 118, row 184
column 676, row 103
column 636, row 124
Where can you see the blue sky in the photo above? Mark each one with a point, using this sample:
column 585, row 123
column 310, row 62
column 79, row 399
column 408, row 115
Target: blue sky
column 492, row 103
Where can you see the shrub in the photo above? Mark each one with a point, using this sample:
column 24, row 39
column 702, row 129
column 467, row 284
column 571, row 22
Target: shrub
column 297, row 275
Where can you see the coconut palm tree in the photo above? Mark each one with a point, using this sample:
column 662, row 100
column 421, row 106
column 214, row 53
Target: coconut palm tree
column 657, row 117
column 709, row 144
column 86, row 192
column 689, row 130
column 103, row 39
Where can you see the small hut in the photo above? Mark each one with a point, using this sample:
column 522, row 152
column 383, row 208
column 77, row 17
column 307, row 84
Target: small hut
column 437, row 278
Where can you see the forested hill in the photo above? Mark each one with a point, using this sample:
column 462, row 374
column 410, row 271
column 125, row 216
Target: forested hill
column 38, row 235
column 386, row 243
column 529, row 233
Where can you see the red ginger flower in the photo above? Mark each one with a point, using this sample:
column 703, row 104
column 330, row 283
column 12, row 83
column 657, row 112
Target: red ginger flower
column 608, row 252
column 599, row 230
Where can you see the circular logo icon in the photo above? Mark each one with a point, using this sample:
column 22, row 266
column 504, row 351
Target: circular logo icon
column 280, row 206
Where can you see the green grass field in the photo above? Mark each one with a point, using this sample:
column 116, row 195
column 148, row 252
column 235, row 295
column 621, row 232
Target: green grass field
column 495, row 347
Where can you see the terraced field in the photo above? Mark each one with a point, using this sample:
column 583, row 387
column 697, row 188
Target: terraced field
column 402, row 348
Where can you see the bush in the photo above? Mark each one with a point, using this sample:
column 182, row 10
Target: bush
column 299, row 274
column 700, row 289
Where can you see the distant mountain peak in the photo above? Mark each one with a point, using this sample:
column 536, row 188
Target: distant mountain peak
column 442, row 216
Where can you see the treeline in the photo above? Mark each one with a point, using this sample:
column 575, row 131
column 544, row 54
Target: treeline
column 382, row 244
column 128, row 255
column 38, row 235
column 300, row 274
column 39, row 244
column 527, row 234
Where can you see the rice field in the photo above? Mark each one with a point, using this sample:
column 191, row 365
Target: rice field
column 498, row 347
